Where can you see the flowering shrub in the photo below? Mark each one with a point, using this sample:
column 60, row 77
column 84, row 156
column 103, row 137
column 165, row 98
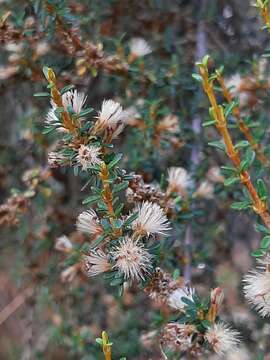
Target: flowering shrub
column 118, row 200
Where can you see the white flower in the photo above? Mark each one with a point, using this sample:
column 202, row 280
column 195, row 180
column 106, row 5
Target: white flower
column 96, row 262
column 139, row 47
column 234, row 84
column 257, row 288
column 111, row 118
column 205, row 190
column 68, row 275
column 52, row 120
column 63, row 244
column 8, row 71
column 88, row 223
column 222, row 338
column 151, row 220
column 42, row 48
column 214, row 175
column 111, row 112
column 88, row 156
column 132, row 260
column 175, row 298
column 13, row 47
column 74, row 99
column 178, row 180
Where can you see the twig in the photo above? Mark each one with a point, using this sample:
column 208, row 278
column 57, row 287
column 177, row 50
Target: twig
column 15, row 304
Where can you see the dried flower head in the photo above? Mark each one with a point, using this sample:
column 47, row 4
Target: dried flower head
column 88, row 223
column 96, row 262
column 175, row 299
column 205, row 190
column 222, row 338
column 179, row 181
column 162, row 285
column 75, row 100
column 139, row 47
column 177, row 337
column 56, row 159
column 132, row 259
column 257, row 288
column 88, row 156
column 63, row 244
column 151, row 220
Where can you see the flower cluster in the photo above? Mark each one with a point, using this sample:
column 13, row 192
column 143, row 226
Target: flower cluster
column 121, row 244
column 197, row 326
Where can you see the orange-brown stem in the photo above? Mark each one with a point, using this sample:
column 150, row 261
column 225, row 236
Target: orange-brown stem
column 259, row 206
column 242, row 126
column 107, row 193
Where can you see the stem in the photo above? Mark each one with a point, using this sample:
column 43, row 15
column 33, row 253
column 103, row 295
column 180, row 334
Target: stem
column 107, row 193
column 259, row 206
column 57, row 99
column 242, row 126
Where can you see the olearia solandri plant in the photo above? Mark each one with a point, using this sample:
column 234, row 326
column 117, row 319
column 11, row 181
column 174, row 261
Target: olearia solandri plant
column 124, row 247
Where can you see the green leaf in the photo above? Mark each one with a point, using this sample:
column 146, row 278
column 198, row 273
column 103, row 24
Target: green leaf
column 85, row 112
column 218, row 144
column 258, row 253
column 42, row 94
column 99, row 341
column 45, row 71
column 91, row 199
column 66, row 89
column 119, row 187
column 197, row 77
column 130, row 219
column 241, row 144
column 97, row 241
column 241, row 205
column 261, row 228
column 115, row 160
column 229, row 169
column 231, row 180
column 248, row 160
column 209, row 123
column 229, row 108
column 262, row 191
column 205, row 60
column 188, row 302
column 265, row 243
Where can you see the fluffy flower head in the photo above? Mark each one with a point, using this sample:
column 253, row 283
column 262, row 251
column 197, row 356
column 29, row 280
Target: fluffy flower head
column 222, row 338
column 132, row 259
column 205, row 190
column 257, row 289
column 151, row 220
column 88, row 156
column 178, row 180
column 139, row 47
column 96, row 262
column 74, row 99
column 88, row 223
column 175, row 298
